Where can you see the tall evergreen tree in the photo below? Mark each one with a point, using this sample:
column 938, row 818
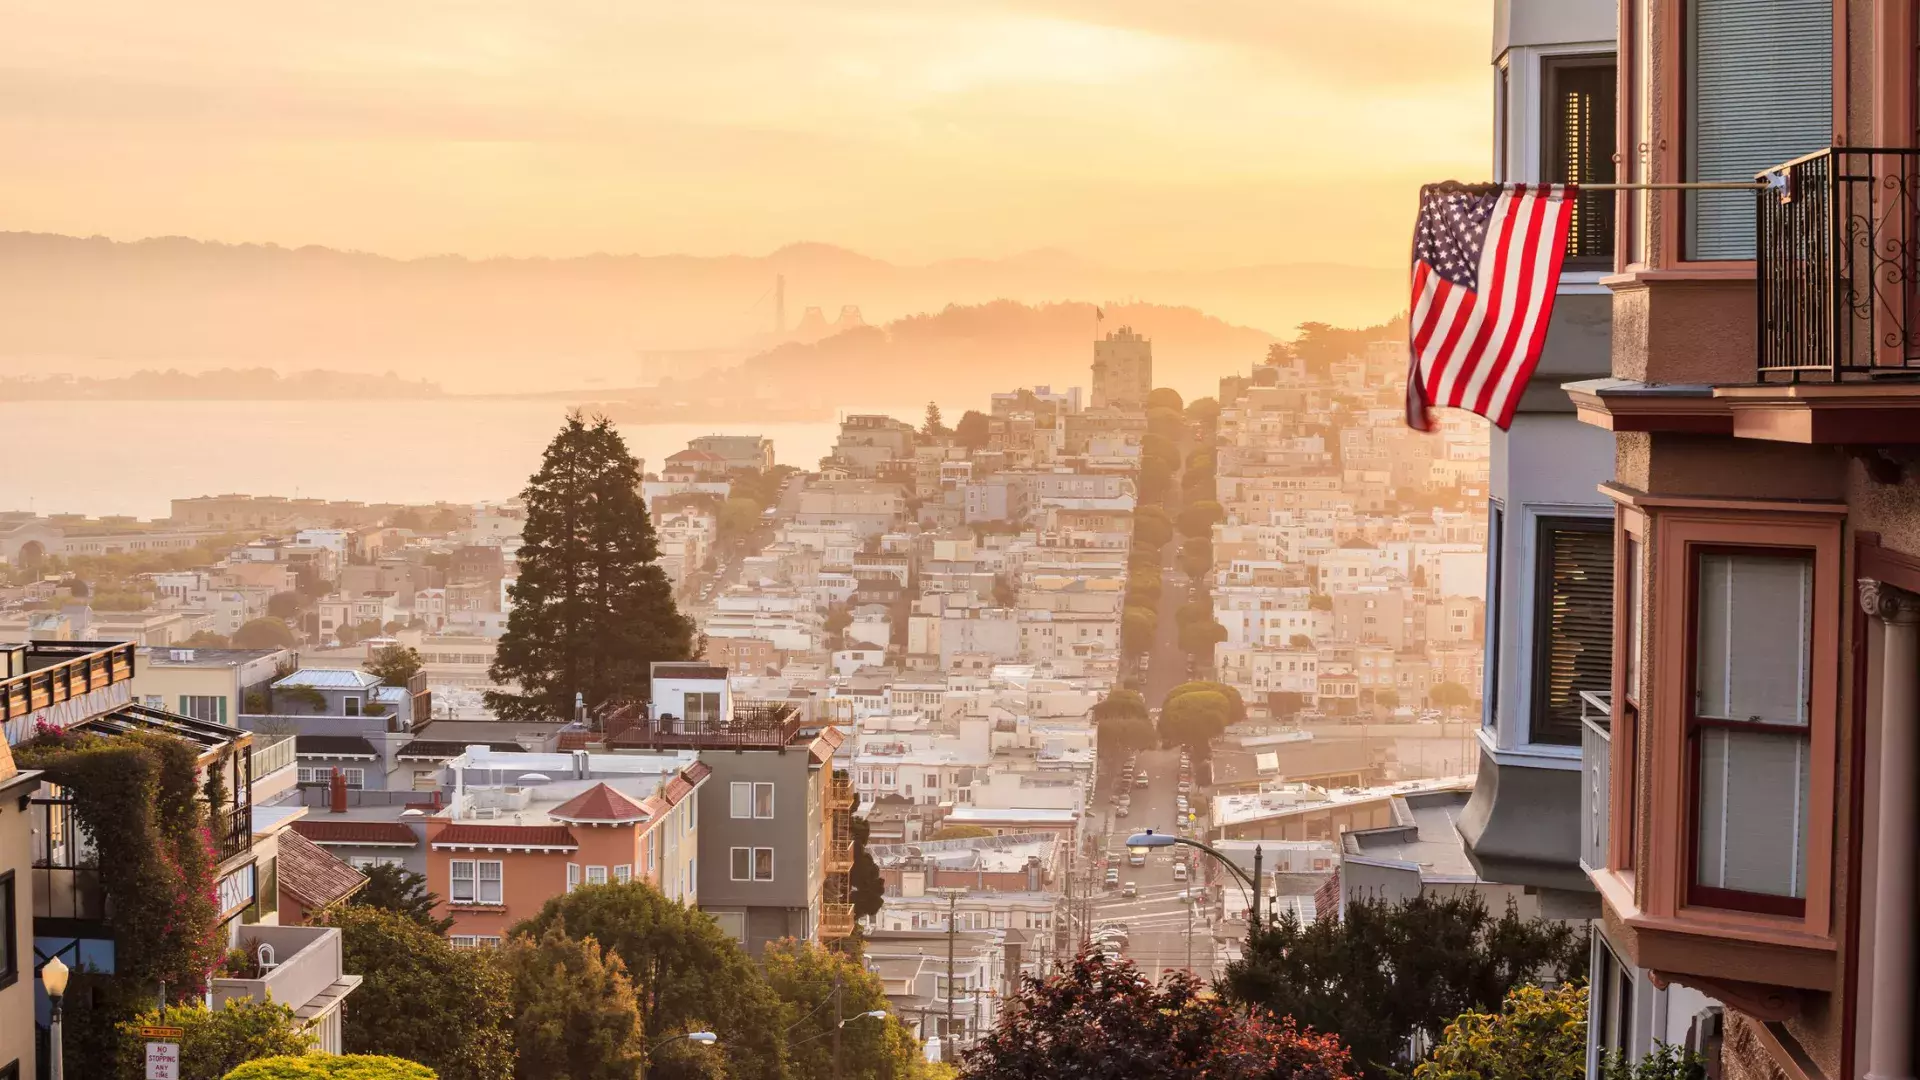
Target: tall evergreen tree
column 591, row 608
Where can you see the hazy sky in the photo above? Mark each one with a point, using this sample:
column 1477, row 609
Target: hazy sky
column 1178, row 133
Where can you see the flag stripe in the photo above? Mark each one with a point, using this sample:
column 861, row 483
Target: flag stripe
column 1485, row 272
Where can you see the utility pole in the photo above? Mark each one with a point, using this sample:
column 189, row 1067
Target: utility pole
column 953, row 926
column 1190, row 902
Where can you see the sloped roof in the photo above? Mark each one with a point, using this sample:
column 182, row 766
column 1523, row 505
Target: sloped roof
column 506, row 836
column 383, row 833
column 600, row 805
column 314, row 877
column 338, row 746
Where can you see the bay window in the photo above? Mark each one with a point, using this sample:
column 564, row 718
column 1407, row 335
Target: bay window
column 1748, row 731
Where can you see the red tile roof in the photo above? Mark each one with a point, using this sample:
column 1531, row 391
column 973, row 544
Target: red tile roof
column 322, row 831
column 599, row 803
column 506, row 836
column 315, row 878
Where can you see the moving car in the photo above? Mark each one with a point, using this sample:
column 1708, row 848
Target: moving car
column 1113, row 877
column 1179, row 871
column 1137, row 858
column 1140, row 781
column 1129, row 889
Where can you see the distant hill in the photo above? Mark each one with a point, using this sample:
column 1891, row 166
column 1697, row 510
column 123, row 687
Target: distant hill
column 109, row 307
column 964, row 352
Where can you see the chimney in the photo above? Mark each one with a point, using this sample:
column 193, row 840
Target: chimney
column 337, row 788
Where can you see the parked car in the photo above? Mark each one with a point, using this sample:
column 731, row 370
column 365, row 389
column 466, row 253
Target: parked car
column 1120, row 811
column 1113, row 877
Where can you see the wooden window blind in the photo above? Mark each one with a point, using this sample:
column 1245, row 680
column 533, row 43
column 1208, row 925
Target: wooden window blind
column 1573, row 623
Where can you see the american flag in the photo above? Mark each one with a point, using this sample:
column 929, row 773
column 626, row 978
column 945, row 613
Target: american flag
column 1486, row 264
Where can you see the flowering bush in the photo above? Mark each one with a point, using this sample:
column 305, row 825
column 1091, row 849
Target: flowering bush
column 1537, row 1035
column 332, row 1067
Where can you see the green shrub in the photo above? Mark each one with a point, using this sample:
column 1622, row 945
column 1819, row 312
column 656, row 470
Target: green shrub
column 332, row 1067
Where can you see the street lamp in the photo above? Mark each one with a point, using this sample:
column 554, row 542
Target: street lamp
column 53, row 976
column 704, row 1038
column 1146, row 841
column 877, row 1014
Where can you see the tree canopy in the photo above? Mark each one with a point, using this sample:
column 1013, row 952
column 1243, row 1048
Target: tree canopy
column 215, row 1041
column 1137, row 625
column 1537, row 1035
column 265, row 632
column 685, row 970
column 575, row 1016
column 422, row 999
column 932, row 427
column 1193, row 720
column 869, row 887
column 1102, row 1018
column 392, row 887
column 972, row 431
column 395, row 664
column 805, row 976
column 1199, row 518
column 1449, row 695
column 1151, row 527
column 332, row 1067
column 1382, row 973
column 591, row 608
column 1165, row 397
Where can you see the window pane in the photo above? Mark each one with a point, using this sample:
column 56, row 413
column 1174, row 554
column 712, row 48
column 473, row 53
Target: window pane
column 1760, row 94
column 1753, row 812
column 490, row 882
column 763, row 800
column 763, row 864
column 1755, row 627
column 742, row 864
column 1635, row 596
column 1580, row 144
column 1573, row 624
column 742, row 795
column 462, row 882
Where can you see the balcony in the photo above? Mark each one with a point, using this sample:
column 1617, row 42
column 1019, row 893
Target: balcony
column 271, row 753
column 840, row 793
column 839, row 856
column 1836, row 263
column 62, row 682
column 770, row 725
column 301, row 969
column 836, row 921
column 232, row 828
column 1596, row 778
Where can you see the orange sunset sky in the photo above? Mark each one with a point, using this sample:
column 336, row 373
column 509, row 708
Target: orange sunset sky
column 1146, row 133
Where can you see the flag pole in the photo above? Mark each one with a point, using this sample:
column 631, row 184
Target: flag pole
column 1695, row 185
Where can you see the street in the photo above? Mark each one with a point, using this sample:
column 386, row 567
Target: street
column 1157, row 920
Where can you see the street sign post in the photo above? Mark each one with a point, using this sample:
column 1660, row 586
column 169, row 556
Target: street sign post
column 163, row 1061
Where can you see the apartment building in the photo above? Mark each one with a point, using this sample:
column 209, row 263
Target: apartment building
column 53, row 901
column 216, row 685
column 1745, row 789
column 776, row 848
column 1122, row 370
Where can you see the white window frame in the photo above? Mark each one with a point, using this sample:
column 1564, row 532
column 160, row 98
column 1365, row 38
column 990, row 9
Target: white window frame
column 596, row 875
column 573, row 876
column 763, row 789
column 622, row 874
column 355, row 775
column 740, row 800
column 477, row 881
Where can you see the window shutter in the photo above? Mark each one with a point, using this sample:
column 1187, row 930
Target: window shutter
column 1760, row 93
column 1573, row 624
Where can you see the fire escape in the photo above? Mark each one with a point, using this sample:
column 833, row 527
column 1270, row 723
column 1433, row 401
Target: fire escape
column 836, row 907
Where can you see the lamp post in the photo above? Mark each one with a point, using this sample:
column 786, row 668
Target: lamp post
column 53, row 976
column 880, row 1014
column 704, row 1038
column 1146, row 841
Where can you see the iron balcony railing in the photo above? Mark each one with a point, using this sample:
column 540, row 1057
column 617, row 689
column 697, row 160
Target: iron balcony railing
column 753, row 725
column 232, row 828
column 1837, row 241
